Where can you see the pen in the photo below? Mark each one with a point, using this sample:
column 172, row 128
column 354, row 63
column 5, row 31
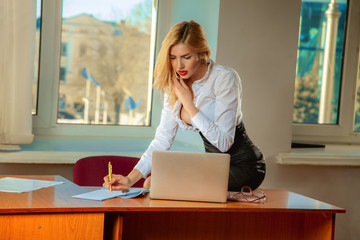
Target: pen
column 110, row 173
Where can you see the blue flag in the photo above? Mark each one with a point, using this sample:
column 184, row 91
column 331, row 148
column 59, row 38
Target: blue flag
column 130, row 103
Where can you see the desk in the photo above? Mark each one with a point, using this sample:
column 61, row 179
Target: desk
column 52, row 213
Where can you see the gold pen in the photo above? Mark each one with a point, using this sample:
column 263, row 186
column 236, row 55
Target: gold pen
column 110, row 173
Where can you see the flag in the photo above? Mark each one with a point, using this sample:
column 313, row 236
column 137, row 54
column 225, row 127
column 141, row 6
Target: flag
column 88, row 76
column 130, row 103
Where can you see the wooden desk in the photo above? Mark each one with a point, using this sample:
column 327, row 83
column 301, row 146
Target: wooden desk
column 52, row 213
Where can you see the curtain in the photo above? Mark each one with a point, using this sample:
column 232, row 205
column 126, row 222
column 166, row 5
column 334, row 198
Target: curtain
column 17, row 53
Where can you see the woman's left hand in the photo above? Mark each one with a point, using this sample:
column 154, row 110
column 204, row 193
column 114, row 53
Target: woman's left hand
column 147, row 182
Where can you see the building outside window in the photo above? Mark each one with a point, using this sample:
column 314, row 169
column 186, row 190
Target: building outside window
column 108, row 42
column 106, row 60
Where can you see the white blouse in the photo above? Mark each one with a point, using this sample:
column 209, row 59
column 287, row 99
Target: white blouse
column 217, row 96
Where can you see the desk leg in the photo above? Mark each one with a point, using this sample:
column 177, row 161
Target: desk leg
column 319, row 226
column 113, row 227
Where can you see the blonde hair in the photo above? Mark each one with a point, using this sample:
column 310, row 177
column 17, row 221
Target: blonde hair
column 193, row 36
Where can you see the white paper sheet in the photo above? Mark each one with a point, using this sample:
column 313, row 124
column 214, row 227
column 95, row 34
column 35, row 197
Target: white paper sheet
column 20, row 185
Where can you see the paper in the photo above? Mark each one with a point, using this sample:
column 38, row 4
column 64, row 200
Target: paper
column 103, row 194
column 20, row 185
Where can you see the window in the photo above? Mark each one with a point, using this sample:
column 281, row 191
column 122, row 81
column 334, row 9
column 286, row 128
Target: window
column 37, row 57
column 63, row 49
column 319, row 63
column 96, row 67
column 357, row 109
column 324, row 102
column 62, row 75
column 113, row 39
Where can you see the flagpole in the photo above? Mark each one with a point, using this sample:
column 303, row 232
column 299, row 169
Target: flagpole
column 86, row 101
column 97, row 104
column 327, row 83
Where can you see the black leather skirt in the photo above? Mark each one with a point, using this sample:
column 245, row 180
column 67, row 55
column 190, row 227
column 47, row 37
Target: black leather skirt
column 247, row 163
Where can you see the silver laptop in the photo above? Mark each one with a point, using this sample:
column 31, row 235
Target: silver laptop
column 190, row 176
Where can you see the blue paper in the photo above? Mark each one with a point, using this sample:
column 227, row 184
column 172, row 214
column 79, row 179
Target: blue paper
column 103, row 194
column 133, row 192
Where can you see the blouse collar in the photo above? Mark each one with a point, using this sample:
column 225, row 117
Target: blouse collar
column 206, row 76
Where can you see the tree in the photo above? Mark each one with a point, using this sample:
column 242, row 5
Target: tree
column 118, row 57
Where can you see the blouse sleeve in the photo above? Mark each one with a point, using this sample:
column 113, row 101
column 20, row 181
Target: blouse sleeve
column 164, row 137
column 227, row 112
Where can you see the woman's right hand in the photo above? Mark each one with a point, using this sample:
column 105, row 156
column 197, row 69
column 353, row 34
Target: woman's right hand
column 118, row 182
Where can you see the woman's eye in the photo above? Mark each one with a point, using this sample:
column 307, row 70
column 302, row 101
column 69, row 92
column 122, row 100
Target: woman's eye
column 187, row 57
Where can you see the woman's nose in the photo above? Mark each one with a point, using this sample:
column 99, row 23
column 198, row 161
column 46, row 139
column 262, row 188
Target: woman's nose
column 180, row 64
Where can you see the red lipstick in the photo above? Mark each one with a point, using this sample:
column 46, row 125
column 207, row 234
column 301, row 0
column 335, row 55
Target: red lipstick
column 182, row 73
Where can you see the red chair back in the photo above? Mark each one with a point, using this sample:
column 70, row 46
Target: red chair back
column 90, row 171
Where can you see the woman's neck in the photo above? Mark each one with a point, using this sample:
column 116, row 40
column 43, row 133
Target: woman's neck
column 199, row 74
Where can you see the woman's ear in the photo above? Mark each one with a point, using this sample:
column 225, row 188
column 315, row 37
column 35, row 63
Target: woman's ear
column 202, row 57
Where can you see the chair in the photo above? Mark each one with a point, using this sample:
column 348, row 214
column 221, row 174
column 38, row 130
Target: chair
column 90, row 171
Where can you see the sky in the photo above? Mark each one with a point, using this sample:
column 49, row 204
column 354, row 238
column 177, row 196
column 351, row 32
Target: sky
column 105, row 10
column 325, row 1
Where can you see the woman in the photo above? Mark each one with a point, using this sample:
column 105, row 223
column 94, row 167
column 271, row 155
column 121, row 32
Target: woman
column 204, row 97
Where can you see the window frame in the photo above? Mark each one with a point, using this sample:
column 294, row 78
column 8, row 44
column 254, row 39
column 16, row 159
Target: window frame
column 44, row 123
column 341, row 133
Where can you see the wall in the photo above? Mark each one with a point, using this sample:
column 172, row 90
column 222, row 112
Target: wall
column 65, row 170
column 206, row 13
column 259, row 40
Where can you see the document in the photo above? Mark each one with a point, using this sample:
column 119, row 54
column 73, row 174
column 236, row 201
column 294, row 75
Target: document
column 103, row 194
column 20, row 185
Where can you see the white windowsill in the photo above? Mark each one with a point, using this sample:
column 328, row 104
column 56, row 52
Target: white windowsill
column 67, row 150
column 331, row 155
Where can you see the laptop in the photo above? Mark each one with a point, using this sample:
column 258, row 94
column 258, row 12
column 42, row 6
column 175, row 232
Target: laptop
column 189, row 176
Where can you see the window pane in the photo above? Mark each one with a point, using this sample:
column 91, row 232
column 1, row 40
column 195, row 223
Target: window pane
column 357, row 104
column 106, row 55
column 37, row 58
column 319, row 62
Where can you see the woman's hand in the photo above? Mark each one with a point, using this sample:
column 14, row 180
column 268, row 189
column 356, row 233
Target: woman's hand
column 118, row 182
column 184, row 94
column 146, row 184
